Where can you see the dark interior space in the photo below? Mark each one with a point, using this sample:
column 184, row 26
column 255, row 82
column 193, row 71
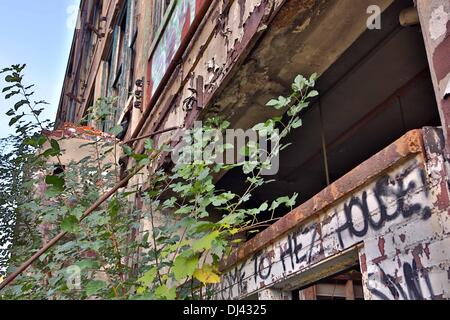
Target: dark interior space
column 346, row 285
column 376, row 92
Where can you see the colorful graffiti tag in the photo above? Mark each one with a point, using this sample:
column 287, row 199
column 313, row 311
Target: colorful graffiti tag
column 178, row 26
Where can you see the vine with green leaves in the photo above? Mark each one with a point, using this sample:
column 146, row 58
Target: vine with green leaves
column 168, row 245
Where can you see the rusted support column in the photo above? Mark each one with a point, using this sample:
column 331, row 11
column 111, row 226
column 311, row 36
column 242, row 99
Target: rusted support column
column 435, row 21
column 274, row 294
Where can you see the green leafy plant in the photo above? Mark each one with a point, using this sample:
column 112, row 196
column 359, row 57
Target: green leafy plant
column 160, row 237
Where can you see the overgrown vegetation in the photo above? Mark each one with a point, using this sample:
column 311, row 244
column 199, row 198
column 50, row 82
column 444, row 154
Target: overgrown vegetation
column 167, row 248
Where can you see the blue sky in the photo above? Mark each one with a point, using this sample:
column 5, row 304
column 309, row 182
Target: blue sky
column 38, row 33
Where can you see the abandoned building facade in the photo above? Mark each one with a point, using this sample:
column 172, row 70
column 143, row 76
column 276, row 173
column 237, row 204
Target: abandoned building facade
column 370, row 162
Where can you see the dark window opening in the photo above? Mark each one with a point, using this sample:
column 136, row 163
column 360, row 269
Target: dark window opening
column 121, row 40
column 347, row 285
column 108, row 89
column 376, row 92
column 131, row 77
column 70, row 67
column 125, row 125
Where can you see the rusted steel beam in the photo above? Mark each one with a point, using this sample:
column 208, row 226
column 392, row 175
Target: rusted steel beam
column 404, row 148
column 151, row 135
column 435, row 22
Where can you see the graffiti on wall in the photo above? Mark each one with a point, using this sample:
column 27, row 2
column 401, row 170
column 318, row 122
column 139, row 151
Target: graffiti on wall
column 405, row 284
column 176, row 29
column 398, row 199
column 389, row 197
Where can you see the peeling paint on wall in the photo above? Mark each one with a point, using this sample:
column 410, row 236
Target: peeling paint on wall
column 438, row 23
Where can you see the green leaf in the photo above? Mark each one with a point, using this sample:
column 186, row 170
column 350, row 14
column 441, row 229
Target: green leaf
column 52, row 192
column 38, row 112
column 313, row 79
column 263, row 207
column 163, row 292
column 184, row 267
column 5, row 70
column 87, row 264
column 148, row 144
column 40, row 140
column 144, row 162
column 94, row 287
column 139, row 157
column 170, row 203
column 297, row 123
column 14, row 120
column 207, row 275
column 205, row 243
column 127, row 150
column 13, row 78
column 50, row 153
column 280, row 103
column 116, row 130
column 272, row 103
column 292, row 201
column 222, row 199
column 41, row 102
column 114, row 207
column 184, row 210
column 299, row 83
column 147, row 279
column 8, row 88
column 10, row 112
column 11, row 94
column 313, row 94
column 18, row 67
column 19, row 104
column 55, row 146
column 70, row 224
column 55, row 181
column 275, row 205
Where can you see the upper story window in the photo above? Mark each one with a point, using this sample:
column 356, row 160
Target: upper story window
column 159, row 11
column 119, row 48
